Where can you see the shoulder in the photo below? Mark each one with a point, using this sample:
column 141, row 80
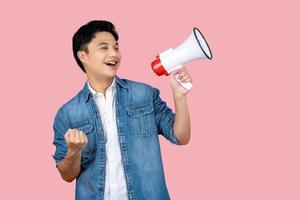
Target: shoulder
column 71, row 105
column 139, row 87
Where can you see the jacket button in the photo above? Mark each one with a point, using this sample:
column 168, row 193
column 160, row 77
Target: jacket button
column 101, row 149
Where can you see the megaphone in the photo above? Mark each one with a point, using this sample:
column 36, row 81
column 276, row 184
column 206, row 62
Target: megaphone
column 193, row 48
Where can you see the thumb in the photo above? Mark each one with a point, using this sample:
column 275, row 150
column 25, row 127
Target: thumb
column 67, row 134
column 174, row 73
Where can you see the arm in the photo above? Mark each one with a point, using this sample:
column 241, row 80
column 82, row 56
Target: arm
column 182, row 125
column 69, row 167
column 69, row 144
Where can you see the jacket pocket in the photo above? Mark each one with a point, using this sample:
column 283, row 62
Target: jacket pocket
column 142, row 119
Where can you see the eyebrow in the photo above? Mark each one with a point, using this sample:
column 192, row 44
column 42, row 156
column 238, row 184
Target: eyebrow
column 106, row 43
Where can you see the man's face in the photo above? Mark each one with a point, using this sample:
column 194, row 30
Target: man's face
column 103, row 57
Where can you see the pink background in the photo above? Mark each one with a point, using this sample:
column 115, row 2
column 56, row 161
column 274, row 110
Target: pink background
column 244, row 105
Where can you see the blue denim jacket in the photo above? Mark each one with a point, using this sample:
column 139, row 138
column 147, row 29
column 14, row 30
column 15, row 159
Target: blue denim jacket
column 141, row 116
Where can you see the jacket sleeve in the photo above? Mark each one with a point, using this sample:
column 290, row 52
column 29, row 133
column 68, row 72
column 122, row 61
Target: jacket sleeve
column 60, row 127
column 164, row 118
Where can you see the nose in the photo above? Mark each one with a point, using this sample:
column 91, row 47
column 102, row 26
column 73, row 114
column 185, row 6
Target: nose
column 113, row 52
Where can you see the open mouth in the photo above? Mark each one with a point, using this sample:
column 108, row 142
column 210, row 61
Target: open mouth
column 111, row 63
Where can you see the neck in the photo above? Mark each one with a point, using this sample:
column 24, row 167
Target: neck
column 101, row 84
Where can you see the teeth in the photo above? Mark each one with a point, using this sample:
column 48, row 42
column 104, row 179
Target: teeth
column 111, row 62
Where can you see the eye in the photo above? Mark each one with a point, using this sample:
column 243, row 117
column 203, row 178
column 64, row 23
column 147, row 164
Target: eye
column 103, row 46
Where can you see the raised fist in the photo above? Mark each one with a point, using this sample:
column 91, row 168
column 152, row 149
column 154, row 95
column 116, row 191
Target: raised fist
column 76, row 140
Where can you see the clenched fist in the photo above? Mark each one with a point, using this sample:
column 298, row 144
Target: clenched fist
column 76, row 140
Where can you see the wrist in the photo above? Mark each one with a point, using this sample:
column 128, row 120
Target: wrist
column 72, row 153
column 178, row 96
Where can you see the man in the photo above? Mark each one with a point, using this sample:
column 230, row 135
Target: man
column 106, row 137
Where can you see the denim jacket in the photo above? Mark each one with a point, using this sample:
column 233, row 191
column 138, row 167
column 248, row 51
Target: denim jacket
column 141, row 116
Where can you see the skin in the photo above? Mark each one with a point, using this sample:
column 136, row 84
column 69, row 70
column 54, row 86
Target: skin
column 101, row 49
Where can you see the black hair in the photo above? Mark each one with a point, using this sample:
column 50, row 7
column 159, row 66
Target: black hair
column 86, row 33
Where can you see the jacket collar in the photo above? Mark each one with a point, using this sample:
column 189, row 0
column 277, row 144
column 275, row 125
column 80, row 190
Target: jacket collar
column 86, row 93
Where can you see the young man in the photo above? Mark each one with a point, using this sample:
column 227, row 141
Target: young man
column 106, row 137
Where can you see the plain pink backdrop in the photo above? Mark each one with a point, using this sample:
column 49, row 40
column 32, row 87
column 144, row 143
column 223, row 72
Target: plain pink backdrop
column 244, row 105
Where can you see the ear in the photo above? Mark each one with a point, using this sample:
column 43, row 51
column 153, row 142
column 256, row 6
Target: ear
column 82, row 56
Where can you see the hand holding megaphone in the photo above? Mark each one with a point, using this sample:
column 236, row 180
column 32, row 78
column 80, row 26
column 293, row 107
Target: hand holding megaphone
column 179, row 80
column 193, row 48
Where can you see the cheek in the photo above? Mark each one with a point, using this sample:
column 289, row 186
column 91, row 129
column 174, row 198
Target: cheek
column 98, row 57
column 120, row 55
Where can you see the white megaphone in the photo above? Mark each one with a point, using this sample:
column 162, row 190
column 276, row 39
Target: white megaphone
column 193, row 48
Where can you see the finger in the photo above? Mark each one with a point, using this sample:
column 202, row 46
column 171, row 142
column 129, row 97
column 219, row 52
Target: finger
column 187, row 80
column 67, row 134
column 182, row 69
column 183, row 73
column 77, row 137
column 185, row 77
column 81, row 137
column 86, row 138
column 72, row 137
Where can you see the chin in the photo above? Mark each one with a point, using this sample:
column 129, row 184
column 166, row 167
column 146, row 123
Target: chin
column 111, row 75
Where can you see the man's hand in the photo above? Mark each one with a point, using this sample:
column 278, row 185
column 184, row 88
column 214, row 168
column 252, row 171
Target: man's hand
column 184, row 76
column 76, row 140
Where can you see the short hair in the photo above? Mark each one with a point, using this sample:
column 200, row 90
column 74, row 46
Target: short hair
column 86, row 33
